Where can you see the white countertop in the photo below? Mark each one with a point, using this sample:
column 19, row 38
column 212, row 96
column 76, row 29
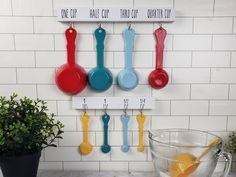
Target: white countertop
column 100, row 174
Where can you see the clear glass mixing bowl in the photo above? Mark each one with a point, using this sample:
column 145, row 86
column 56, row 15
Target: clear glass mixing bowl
column 166, row 144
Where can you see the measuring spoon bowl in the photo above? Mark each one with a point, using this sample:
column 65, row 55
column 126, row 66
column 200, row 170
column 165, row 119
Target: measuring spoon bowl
column 106, row 148
column 125, row 148
column 85, row 148
column 158, row 78
column 127, row 79
column 100, row 79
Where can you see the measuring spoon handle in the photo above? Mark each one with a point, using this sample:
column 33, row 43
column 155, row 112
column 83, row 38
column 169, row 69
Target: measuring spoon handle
column 100, row 35
column 105, row 119
column 85, row 119
column 125, row 121
column 128, row 36
column 70, row 34
column 160, row 35
column 141, row 119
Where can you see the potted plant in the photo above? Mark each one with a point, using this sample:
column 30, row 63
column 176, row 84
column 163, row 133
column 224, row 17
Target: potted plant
column 25, row 129
column 231, row 144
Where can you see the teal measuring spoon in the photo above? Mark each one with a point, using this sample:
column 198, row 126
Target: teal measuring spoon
column 100, row 78
column 125, row 118
column 128, row 78
column 106, row 147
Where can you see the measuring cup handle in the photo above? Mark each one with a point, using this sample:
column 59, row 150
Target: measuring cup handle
column 228, row 161
column 100, row 34
column 160, row 35
column 70, row 34
column 128, row 36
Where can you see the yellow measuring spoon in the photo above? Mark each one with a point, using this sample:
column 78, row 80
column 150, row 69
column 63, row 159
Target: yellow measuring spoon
column 141, row 119
column 185, row 164
column 85, row 148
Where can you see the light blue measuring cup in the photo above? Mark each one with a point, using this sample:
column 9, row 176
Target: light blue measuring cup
column 128, row 78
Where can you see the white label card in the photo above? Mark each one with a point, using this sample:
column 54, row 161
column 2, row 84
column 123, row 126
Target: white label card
column 116, row 14
column 113, row 102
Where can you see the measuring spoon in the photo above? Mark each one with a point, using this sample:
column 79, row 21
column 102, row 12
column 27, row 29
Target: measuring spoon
column 159, row 77
column 125, row 118
column 106, row 147
column 141, row 119
column 85, row 147
column 128, row 78
column 100, row 78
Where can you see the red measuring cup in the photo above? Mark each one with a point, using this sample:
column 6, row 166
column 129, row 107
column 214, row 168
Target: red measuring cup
column 159, row 77
column 70, row 77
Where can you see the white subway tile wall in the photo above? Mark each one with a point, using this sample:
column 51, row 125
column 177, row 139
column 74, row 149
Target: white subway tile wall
column 200, row 57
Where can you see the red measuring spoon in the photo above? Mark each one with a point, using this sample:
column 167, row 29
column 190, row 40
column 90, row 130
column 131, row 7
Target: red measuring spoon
column 70, row 77
column 159, row 77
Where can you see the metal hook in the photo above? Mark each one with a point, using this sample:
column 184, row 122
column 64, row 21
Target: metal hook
column 129, row 26
column 105, row 108
column 160, row 24
column 99, row 24
column 71, row 25
column 142, row 104
column 85, row 107
column 126, row 104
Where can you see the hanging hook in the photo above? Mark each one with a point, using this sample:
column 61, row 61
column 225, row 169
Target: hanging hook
column 105, row 108
column 126, row 104
column 71, row 25
column 99, row 24
column 129, row 25
column 142, row 104
column 85, row 107
column 160, row 24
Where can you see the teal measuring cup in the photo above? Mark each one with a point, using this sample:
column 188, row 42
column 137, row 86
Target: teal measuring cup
column 128, row 78
column 100, row 78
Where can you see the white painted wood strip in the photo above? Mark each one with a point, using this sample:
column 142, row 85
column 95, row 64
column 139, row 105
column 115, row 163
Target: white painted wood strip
column 151, row 14
column 113, row 102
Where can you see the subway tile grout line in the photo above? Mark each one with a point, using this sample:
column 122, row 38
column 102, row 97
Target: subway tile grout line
column 52, row 7
column 233, row 25
column 33, row 19
column 35, row 60
column 229, row 90
column 193, row 21
column 231, row 56
column 227, row 123
column 209, row 106
column 214, row 4
column 11, row 7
